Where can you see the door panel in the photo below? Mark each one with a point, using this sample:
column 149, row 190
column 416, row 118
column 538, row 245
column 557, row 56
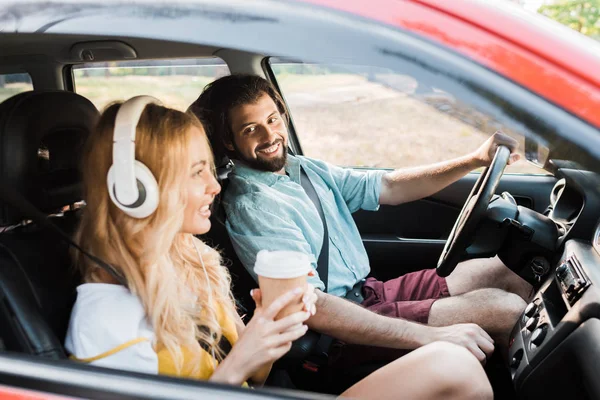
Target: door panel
column 51, row 378
column 410, row 237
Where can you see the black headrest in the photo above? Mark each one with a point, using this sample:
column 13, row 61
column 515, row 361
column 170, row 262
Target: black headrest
column 41, row 137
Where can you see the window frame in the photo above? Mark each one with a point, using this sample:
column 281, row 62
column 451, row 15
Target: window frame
column 69, row 78
column 293, row 140
column 18, row 71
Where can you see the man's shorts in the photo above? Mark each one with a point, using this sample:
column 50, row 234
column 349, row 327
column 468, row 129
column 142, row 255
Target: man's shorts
column 409, row 297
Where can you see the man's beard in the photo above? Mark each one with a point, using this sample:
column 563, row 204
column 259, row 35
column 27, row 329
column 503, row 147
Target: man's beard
column 270, row 165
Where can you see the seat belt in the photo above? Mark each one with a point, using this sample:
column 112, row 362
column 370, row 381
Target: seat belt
column 15, row 199
column 323, row 261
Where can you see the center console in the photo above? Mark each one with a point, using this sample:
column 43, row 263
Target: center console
column 541, row 352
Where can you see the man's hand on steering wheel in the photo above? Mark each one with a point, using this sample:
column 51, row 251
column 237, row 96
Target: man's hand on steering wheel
column 486, row 152
column 496, row 153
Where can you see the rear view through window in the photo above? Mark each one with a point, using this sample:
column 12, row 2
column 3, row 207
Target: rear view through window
column 11, row 84
column 176, row 82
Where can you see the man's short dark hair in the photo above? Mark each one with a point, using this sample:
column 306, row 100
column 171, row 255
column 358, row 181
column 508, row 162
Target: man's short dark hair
column 220, row 97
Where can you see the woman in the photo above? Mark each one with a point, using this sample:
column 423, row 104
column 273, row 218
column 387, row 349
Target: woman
column 177, row 315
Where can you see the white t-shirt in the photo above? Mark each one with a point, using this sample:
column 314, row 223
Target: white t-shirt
column 107, row 316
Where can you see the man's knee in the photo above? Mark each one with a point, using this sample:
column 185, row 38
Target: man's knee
column 503, row 303
column 457, row 372
column 480, row 273
column 514, row 304
column 495, row 310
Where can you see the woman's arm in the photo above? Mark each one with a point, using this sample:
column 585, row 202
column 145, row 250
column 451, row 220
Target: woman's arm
column 260, row 376
column 265, row 340
column 228, row 372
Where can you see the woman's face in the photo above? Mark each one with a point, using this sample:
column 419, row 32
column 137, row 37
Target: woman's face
column 202, row 187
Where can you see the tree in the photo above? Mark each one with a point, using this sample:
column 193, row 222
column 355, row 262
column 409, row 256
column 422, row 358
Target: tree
column 580, row 15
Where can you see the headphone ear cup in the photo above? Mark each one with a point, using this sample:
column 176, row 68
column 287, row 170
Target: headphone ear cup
column 144, row 176
column 147, row 201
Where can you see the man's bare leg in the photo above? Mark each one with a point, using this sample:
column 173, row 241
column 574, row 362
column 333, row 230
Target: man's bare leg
column 487, row 273
column 494, row 310
column 436, row 371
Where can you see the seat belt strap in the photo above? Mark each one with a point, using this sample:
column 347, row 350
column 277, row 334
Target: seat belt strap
column 323, row 261
column 15, row 199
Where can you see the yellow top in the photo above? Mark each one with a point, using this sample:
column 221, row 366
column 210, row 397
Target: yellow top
column 129, row 338
column 166, row 364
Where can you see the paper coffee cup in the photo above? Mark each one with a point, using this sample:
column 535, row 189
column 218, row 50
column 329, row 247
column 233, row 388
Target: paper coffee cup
column 279, row 272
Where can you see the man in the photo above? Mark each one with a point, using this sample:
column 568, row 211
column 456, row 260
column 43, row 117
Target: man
column 267, row 208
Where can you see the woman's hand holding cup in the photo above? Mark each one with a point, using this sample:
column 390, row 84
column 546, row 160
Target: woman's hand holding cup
column 284, row 302
column 266, row 339
column 281, row 271
column 309, row 299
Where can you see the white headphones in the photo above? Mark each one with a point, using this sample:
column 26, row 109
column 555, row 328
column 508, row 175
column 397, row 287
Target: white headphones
column 131, row 185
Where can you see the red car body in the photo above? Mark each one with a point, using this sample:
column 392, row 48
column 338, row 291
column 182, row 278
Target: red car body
column 540, row 55
column 551, row 60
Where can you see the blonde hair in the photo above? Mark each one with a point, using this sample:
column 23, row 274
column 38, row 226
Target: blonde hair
column 159, row 262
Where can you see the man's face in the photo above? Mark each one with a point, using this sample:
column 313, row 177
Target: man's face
column 259, row 134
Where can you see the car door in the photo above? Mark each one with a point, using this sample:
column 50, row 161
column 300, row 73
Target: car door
column 366, row 117
column 35, row 378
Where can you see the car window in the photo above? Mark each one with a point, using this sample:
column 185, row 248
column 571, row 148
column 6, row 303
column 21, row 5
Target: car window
column 363, row 116
column 176, row 82
column 11, row 84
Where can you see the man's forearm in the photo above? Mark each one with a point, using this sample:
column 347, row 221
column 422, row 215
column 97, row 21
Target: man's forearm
column 351, row 323
column 405, row 185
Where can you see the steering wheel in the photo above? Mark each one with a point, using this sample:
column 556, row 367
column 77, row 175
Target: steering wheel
column 474, row 209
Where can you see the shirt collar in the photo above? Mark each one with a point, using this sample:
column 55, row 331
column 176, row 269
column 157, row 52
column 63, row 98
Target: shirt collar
column 292, row 167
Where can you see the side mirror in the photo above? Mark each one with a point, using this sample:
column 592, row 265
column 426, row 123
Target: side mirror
column 536, row 152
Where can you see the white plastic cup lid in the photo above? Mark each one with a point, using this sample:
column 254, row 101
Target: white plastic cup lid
column 282, row 264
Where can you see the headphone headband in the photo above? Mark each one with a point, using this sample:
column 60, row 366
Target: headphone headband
column 128, row 116
column 131, row 185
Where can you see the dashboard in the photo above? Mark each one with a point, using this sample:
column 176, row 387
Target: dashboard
column 555, row 346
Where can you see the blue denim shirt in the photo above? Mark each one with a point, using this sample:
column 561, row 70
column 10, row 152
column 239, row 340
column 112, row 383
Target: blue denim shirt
column 271, row 211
